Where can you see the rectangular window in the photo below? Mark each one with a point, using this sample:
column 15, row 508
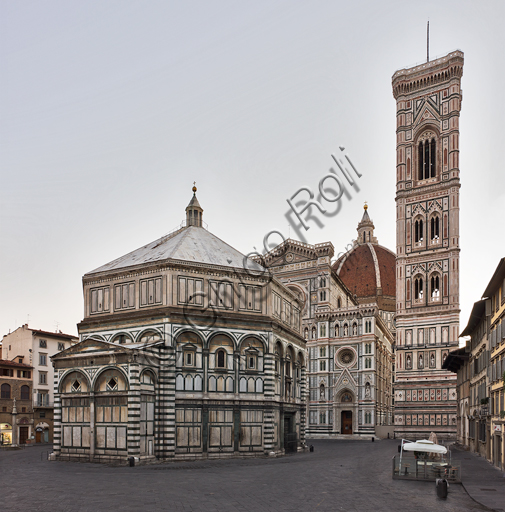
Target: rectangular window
column 99, row 298
column 42, row 378
column 221, row 294
column 286, row 312
column 24, row 374
column 150, row 291
column 296, row 318
column 249, row 298
column 190, row 291
column 322, row 352
column 43, row 359
column 322, row 366
column 189, row 359
column 61, row 346
column 124, row 296
column 42, row 399
column 277, row 304
column 42, row 343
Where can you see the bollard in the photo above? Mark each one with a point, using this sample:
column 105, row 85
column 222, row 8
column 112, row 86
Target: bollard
column 311, row 448
column 373, row 439
column 441, row 485
column 132, row 461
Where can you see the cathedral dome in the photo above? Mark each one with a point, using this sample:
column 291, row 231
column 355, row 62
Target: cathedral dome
column 368, row 269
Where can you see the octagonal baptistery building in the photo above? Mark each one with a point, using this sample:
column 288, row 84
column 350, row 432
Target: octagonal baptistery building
column 187, row 349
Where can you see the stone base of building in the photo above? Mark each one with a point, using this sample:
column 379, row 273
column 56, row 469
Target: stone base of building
column 415, row 435
column 122, row 459
column 343, row 437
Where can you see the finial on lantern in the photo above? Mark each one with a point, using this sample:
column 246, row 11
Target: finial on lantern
column 366, row 206
column 194, row 187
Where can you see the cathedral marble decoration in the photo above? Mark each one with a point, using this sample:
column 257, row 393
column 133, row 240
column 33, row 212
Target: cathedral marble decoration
column 348, row 322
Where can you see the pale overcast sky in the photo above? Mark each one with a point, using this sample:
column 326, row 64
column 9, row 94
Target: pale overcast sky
column 111, row 109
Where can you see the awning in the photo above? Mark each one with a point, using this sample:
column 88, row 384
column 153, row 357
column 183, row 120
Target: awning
column 424, row 446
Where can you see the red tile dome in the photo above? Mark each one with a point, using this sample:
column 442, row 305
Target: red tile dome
column 368, row 269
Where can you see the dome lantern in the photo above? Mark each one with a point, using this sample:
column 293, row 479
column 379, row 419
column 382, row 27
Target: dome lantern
column 194, row 211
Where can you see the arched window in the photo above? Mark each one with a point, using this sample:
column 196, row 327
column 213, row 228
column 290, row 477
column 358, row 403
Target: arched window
column 25, row 392
column 339, row 303
column 322, row 283
column 421, row 160
column 426, row 159
column 418, row 230
column 435, row 228
column 435, row 287
column 418, row 288
column 6, row 391
column 221, row 358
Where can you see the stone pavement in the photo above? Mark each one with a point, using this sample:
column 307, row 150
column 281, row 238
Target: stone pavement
column 483, row 482
column 338, row 475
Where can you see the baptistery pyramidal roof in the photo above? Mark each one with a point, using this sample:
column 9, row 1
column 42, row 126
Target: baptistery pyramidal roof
column 192, row 243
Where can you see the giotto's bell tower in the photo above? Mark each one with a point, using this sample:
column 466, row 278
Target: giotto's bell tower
column 428, row 103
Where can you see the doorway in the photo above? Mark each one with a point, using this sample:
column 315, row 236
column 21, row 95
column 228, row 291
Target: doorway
column 290, row 439
column 346, row 422
column 497, row 451
column 23, row 435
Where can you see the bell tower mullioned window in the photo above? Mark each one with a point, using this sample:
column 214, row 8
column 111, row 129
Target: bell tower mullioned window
column 428, row 104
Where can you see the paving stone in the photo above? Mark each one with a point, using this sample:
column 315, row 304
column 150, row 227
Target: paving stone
column 338, row 475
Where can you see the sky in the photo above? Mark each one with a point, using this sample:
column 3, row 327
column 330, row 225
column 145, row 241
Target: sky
column 110, row 110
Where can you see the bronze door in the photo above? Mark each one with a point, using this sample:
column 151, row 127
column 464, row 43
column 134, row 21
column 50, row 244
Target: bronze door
column 346, row 422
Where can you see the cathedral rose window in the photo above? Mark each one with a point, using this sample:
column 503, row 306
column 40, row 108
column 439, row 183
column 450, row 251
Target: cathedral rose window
column 346, row 357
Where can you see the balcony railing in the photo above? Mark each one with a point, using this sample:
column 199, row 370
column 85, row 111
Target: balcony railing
column 43, row 403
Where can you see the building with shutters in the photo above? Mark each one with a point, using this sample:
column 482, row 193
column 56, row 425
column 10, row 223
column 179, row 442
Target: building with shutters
column 348, row 322
column 35, row 347
column 477, row 364
column 495, row 293
column 16, row 411
column 480, row 368
column 187, row 349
